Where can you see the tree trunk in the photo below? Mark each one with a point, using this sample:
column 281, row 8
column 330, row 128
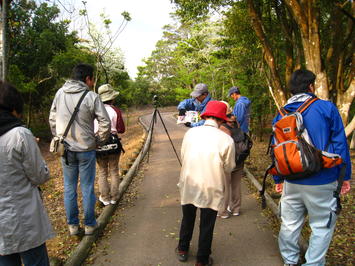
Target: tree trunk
column 4, row 42
column 276, row 84
column 344, row 101
column 306, row 14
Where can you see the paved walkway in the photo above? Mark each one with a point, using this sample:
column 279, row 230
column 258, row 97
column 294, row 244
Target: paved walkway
column 151, row 227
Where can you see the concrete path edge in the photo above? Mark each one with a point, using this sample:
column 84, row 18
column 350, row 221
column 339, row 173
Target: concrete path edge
column 81, row 252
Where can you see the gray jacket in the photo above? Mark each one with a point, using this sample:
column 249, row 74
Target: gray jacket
column 81, row 135
column 24, row 223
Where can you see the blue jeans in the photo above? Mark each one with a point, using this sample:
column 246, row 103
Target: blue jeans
column 81, row 164
column 33, row 257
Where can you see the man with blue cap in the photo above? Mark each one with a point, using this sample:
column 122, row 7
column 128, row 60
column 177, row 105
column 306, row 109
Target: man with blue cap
column 200, row 98
column 241, row 108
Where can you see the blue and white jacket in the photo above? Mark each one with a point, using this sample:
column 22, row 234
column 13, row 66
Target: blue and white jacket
column 194, row 105
column 326, row 130
column 241, row 111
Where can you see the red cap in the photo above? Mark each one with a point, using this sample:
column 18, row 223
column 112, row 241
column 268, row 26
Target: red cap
column 216, row 109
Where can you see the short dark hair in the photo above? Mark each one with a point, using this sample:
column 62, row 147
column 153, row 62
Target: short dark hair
column 10, row 98
column 300, row 81
column 81, row 71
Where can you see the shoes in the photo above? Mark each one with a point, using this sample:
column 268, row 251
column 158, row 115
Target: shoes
column 210, row 263
column 104, row 202
column 233, row 213
column 89, row 230
column 225, row 216
column 113, row 202
column 73, row 229
column 181, row 255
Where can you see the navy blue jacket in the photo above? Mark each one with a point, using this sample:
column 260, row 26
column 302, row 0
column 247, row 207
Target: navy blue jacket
column 326, row 130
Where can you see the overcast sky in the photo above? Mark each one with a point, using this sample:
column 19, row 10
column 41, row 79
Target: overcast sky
column 138, row 39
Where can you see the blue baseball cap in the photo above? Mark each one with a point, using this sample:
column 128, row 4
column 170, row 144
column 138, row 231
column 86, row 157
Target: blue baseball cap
column 233, row 90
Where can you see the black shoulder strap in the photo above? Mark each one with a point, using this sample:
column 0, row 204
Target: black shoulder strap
column 76, row 110
column 336, row 193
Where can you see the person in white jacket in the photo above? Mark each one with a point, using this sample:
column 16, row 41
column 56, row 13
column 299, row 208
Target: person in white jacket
column 24, row 223
column 207, row 160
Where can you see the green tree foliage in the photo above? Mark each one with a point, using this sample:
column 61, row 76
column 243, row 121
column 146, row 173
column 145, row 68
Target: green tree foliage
column 291, row 34
column 209, row 52
column 41, row 52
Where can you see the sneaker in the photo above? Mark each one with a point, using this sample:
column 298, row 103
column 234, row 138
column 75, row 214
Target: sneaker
column 233, row 213
column 73, row 229
column 89, row 230
column 181, row 255
column 104, row 202
column 224, row 216
column 113, row 202
column 210, row 263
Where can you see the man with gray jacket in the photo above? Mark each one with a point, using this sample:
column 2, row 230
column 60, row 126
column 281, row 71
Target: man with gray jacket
column 81, row 143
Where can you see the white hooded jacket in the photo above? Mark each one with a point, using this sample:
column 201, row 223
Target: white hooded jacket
column 81, row 136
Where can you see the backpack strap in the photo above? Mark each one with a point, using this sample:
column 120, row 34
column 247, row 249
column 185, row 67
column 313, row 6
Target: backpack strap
column 263, row 187
column 283, row 111
column 306, row 104
column 336, row 193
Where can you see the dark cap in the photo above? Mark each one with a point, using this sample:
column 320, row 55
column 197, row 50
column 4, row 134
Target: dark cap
column 233, row 90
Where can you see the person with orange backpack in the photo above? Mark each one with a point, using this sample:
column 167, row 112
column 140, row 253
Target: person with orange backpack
column 311, row 166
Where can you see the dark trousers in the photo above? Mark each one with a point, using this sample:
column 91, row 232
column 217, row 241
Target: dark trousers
column 207, row 222
column 33, row 257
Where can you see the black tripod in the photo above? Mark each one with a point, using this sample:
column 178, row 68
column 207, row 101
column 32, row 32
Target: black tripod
column 156, row 113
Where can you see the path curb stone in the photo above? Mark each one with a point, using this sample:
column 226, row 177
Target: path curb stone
column 81, row 252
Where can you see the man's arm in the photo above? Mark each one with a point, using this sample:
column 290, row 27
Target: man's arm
column 187, row 105
column 52, row 116
column 239, row 112
column 338, row 140
column 340, row 145
column 34, row 166
column 103, row 120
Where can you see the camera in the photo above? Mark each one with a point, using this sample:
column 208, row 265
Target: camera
column 155, row 100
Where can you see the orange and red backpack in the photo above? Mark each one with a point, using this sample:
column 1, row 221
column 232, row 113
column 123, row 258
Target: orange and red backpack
column 292, row 153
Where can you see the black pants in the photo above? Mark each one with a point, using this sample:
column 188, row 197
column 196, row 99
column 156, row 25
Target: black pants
column 207, row 222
